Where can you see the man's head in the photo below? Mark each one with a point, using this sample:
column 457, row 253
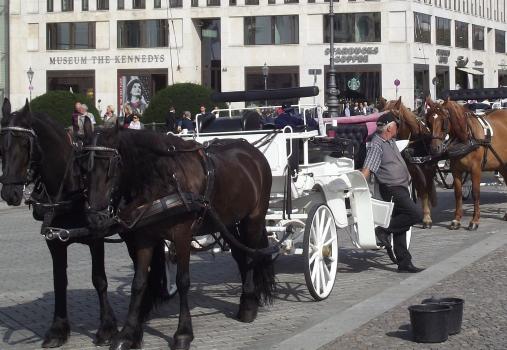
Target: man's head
column 202, row 109
column 77, row 106
column 387, row 125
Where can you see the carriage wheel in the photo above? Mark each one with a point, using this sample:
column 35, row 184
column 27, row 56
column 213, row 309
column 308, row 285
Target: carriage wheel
column 320, row 250
column 466, row 188
column 170, row 269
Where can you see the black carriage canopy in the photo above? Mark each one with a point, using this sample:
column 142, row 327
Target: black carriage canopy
column 475, row 94
column 271, row 94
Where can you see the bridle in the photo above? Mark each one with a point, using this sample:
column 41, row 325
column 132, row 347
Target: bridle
column 32, row 137
column 445, row 126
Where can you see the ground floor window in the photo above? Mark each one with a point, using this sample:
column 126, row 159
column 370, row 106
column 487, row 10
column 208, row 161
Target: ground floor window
column 461, row 79
column 137, row 87
column 77, row 81
column 478, row 79
column 502, row 77
column 441, row 80
column 421, row 84
column 360, row 83
column 277, row 77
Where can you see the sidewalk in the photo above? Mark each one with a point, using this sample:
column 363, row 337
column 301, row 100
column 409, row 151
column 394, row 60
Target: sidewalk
column 483, row 287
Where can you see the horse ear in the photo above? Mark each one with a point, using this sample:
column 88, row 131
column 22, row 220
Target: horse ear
column 429, row 102
column 26, row 113
column 6, row 108
column 88, row 129
column 398, row 103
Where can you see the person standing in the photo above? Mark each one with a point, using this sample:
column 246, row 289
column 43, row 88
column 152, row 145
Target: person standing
column 202, row 113
column 90, row 115
column 136, row 122
column 109, row 117
column 386, row 162
column 75, row 116
column 170, row 120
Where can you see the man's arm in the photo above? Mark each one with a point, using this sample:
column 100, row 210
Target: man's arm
column 366, row 173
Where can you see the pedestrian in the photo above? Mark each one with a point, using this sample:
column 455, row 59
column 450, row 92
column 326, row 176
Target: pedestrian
column 127, row 115
column 75, row 116
column 109, row 117
column 170, row 120
column 81, row 120
column 202, row 113
column 346, row 111
column 185, row 124
column 385, row 161
column 136, row 122
column 84, row 109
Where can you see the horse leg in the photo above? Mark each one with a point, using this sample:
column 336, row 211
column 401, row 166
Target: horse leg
column 426, row 208
column 59, row 331
column 132, row 332
column 257, row 273
column 503, row 172
column 184, row 334
column 107, row 328
column 476, row 194
column 458, row 213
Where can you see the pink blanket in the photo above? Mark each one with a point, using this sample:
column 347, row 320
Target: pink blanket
column 370, row 120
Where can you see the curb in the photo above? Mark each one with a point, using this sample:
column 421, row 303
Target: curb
column 359, row 314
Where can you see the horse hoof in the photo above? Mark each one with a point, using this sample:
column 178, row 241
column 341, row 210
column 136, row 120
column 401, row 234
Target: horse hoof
column 247, row 316
column 473, row 226
column 455, row 225
column 427, row 225
column 182, row 342
column 505, row 217
column 105, row 335
column 118, row 344
column 57, row 335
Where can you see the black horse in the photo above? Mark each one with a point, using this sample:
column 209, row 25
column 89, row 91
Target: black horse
column 223, row 186
column 36, row 148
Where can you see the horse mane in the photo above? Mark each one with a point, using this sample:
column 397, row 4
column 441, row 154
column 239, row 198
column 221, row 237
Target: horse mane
column 458, row 119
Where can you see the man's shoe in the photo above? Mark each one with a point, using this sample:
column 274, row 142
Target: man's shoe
column 383, row 239
column 409, row 268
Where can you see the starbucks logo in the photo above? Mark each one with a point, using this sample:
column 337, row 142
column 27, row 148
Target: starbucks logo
column 354, row 84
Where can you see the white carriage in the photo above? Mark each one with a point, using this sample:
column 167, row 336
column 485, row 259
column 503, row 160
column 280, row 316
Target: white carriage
column 311, row 200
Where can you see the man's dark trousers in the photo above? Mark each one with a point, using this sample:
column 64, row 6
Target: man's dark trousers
column 405, row 214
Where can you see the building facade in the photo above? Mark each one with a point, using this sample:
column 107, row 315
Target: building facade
column 4, row 44
column 390, row 48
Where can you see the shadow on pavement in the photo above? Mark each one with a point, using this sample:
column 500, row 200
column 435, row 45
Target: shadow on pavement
column 404, row 332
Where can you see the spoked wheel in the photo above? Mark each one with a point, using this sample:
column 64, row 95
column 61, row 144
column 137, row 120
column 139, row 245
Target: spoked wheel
column 170, row 269
column 466, row 188
column 320, row 250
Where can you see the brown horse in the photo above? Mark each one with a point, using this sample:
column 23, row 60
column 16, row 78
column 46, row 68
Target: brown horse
column 463, row 127
column 414, row 129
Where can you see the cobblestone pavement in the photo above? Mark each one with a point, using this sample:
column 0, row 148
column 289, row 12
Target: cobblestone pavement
column 483, row 287
column 26, row 294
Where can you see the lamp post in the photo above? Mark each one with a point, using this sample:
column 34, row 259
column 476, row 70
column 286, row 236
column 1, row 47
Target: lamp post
column 332, row 100
column 265, row 72
column 29, row 74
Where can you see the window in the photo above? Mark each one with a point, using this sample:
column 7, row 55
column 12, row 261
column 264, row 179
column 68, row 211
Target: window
column 121, row 4
column 278, row 77
column 194, row 3
column 461, row 31
column 354, row 27
column 212, row 2
column 175, row 3
column 251, row 2
column 157, row 4
column 84, row 5
column 67, row 5
column 291, row 1
column 70, row 36
column 50, row 6
column 478, row 37
column 422, row 28
column 102, row 4
column 443, row 26
column 271, row 30
column 499, row 41
column 232, row 2
column 139, row 4
column 148, row 33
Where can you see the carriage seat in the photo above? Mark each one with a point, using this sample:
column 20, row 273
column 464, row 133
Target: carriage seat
column 250, row 120
column 357, row 135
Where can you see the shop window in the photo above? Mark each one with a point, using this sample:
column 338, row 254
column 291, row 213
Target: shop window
column 67, row 5
column 354, row 27
column 422, row 28
column 278, row 77
column 499, row 41
column 102, row 4
column 147, row 33
column 70, row 36
column 443, row 31
column 271, row 30
column 461, row 34
column 478, row 37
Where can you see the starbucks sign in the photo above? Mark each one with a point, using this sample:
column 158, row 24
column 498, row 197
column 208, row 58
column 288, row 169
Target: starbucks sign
column 354, row 84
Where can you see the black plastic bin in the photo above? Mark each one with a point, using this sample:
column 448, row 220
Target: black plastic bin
column 456, row 315
column 430, row 322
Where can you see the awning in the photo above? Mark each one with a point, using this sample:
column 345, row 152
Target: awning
column 471, row 71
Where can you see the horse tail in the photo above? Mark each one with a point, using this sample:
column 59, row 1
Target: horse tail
column 418, row 178
column 264, row 274
column 156, row 291
column 430, row 172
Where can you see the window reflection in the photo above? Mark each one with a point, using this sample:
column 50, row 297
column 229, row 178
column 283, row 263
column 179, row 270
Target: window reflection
column 148, row 33
column 354, row 27
column 68, row 36
column 271, row 30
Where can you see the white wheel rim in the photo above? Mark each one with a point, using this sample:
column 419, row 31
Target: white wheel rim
column 323, row 251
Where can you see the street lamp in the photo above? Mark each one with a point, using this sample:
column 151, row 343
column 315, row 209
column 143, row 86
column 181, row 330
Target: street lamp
column 30, row 74
column 332, row 100
column 265, row 72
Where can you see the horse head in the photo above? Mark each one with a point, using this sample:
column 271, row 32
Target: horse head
column 438, row 120
column 17, row 147
column 101, row 162
column 410, row 126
